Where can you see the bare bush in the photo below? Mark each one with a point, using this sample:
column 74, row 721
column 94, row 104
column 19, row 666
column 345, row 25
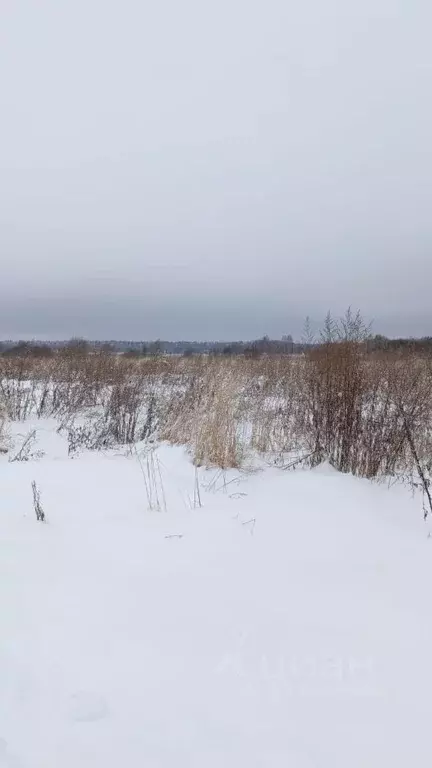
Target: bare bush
column 27, row 450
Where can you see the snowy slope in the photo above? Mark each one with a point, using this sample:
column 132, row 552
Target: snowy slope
column 290, row 625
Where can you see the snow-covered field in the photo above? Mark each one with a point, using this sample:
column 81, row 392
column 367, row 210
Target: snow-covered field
column 285, row 622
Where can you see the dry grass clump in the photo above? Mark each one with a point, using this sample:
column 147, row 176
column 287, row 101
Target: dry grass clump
column 216, row 436
column 204, row 413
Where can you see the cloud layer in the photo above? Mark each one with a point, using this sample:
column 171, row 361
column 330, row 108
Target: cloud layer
column 221, row 170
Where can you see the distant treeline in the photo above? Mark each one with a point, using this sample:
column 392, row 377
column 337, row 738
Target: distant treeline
column 257, row 348
column 154, row 348
column 378, row 342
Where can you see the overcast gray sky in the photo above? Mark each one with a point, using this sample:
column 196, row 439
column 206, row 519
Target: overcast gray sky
column 213, row 169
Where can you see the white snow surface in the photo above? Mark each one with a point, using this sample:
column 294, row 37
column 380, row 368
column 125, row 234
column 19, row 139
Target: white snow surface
column 286, row 622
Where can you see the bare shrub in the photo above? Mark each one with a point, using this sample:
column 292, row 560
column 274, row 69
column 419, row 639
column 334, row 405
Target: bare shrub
column 27, row 450
column 17, row 387
column 339, row 404
column 91, row 436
